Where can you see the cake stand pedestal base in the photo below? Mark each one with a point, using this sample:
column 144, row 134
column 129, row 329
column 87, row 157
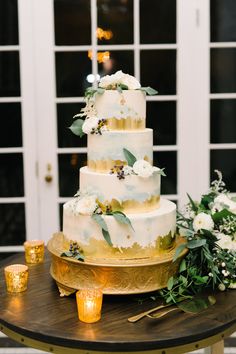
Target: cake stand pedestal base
column 115, row 277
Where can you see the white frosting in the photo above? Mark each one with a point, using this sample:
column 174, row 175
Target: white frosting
column 113, row 104
column 109, row 145
column 147, row 226
column 107, row 186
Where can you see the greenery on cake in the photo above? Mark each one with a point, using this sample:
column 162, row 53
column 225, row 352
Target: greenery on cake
column 74, row 252
column 89, row 204
column 141, row 168
column 209, row 229
column 92, row 124
column 118, row 81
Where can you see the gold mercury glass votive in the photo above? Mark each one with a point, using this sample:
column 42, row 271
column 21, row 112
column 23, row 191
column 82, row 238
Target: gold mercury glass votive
column 89, row 305
column 34, row 251
column 16, row 276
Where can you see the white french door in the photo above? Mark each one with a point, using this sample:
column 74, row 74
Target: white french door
column 176, row 46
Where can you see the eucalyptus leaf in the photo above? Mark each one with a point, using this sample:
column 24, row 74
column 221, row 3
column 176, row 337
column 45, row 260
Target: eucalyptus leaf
column 182, row 266
column 170, row 283
column 122, row 218
column 79, row 257
column 196, row 243
column 122, row 87
column 220, row 215
column 107, row 237
column 100, row 221
column 100, row 90
column 194, row 306
column 179, row 250
column 194, row 206
column 149, row 90
column 76, row 127
column 130, row 158
column 67, row 254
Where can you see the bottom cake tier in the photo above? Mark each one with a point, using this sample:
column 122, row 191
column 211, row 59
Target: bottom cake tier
column 152, row 234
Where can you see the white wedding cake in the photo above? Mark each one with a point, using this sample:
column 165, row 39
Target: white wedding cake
column 118, row 212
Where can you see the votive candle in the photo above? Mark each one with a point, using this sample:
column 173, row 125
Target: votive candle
column 89, row 304
column 16, row 276
column 34, row 251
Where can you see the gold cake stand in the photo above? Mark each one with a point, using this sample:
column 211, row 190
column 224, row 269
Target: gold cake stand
column 116, row 277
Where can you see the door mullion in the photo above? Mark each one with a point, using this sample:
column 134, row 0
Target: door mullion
column 193, row 97
column 28, row 109
column 46, row 116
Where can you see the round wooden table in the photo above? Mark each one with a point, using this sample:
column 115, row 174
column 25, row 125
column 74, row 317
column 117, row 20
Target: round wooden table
column 40, row 318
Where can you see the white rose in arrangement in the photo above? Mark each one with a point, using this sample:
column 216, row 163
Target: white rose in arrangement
column 90, row 124
column 86, row 205
column 222, row 201
column 225, row 242
column 130, row 81
column 203, row 221
column 143, row 168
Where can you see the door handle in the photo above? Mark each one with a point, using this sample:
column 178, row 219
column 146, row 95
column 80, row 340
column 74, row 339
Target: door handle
column 48, row 177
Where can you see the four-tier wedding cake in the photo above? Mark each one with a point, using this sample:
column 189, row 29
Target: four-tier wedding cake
column 118, row 212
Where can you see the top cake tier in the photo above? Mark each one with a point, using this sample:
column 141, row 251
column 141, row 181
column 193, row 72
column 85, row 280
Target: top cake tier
column 124, row 110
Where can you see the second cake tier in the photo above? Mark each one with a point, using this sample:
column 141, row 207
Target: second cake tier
column 133, row 194
column 106, row 150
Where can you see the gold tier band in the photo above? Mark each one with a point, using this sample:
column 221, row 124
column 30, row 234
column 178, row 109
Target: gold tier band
column 126, row 123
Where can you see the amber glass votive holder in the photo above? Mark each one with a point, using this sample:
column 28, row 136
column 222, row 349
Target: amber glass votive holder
column 34, row 251
column 16, row 276
column 89, row 304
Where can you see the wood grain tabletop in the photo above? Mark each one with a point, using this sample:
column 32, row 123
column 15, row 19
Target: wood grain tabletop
column 41, row 314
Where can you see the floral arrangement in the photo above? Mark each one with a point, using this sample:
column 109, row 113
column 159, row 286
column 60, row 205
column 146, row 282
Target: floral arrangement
column 92, row 124
column 209, row 229
column 141, row 168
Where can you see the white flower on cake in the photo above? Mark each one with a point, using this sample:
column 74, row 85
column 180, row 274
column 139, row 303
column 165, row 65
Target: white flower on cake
column 127, row 170
column 86, row 205
column 223, row 201
column 203, row 221
column 143, row 168
column 90, row 124
column 119, row 78
column 130, row 81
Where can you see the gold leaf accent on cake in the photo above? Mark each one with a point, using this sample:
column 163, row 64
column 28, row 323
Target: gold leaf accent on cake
column 104, row 165
column 116, row 205
column 166, row 242
column 130, row 206
column 127, row 123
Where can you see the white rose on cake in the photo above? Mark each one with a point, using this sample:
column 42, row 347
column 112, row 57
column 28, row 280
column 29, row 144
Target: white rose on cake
column 119, row 78
column 86, row 205
column 203, row 221
column 90, row 124
column 130, row 81
column 222, row 201
column 143, row 168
